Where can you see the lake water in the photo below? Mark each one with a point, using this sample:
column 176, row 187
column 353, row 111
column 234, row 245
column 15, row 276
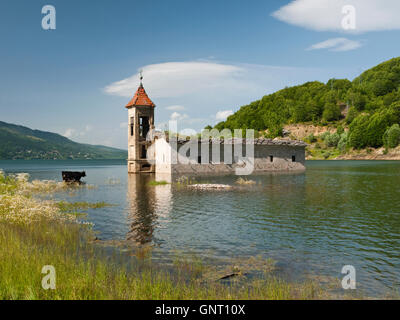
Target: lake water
column 336, row 213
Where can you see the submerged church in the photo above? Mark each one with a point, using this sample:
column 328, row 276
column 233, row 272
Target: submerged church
column 149, row 152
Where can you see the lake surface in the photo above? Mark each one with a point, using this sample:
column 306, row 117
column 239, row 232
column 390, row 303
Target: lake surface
column 336, row 213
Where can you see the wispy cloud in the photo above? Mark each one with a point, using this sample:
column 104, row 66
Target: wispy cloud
column 222, row 115
column 327, row 15
column 210, row 81
column 337, row 44
column 69, row 133
column 175, row 108
column 74, row 133
column 174, row 79
column 178, row 117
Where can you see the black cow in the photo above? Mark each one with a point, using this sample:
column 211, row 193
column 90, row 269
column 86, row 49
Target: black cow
column 70, row 176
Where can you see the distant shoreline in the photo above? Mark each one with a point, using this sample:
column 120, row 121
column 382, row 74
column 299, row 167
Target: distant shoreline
column 365, row 154
column 116, row 159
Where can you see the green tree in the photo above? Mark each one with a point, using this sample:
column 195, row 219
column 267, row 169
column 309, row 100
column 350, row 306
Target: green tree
column 377, row 126
column 351, row 115
column 358, row 127
column 356, row 99
column 331, row 112
column 391, row 137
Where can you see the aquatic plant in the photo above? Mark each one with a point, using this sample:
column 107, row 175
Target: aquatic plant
column 158, row 183
column 112, row 181
column 183, row 180
column 244, row 181
column 65, row 206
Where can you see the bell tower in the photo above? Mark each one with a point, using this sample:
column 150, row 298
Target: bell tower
column 141, row 121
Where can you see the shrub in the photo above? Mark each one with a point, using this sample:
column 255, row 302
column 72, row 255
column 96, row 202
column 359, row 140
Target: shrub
column 311, row 138
column 342, row 144
column 391, row 138
column 332, row 140
column 325, row 135
column 331, row 112
column 377, row 126
column 368, row 131
column 351, row 115
column 326, row 154
column 339, row 130
column 358, row 127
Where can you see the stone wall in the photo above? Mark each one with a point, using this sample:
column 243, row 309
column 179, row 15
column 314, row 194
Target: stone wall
column 270, row 157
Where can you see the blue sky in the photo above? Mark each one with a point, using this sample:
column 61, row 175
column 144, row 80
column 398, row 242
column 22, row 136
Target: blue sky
column 202, row 60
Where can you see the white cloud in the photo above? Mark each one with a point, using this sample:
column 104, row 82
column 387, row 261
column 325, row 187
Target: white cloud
column 123, row 124
column 73, row 133
column 326, row 15
column 175, row 108
column 178, row 117
column 173, row 79
column 69, row 133
column 190, row 84
column 337, row 44
column 204, row 88
column 222, row 115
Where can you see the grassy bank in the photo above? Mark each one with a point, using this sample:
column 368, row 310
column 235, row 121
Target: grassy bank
column 35, row 233
column 84, row 272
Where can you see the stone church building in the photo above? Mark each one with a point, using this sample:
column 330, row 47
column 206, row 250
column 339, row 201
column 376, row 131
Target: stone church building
column 159, row 154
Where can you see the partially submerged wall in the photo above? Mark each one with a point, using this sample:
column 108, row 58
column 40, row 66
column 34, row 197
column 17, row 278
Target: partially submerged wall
column 277, row 156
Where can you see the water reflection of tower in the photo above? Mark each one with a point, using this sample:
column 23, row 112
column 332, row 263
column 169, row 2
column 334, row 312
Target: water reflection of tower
column 149, row 207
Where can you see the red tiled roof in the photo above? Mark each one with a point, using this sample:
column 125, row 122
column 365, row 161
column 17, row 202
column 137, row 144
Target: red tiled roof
column 140, row 99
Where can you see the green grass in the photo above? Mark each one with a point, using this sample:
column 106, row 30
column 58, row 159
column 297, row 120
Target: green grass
column 244, row 181
column 158, row 183
column 65, row 206
column 84, row 271
column 324, row 154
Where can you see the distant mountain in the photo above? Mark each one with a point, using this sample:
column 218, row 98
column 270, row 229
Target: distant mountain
column 18, row 142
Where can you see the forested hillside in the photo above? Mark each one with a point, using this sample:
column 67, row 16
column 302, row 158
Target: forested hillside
column 368, row 108
column 18, row 142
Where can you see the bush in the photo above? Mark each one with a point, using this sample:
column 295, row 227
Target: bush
column 339, row 130
column 331, row 112
column 351, row 115
column 378, row 124
column 368, row 131
column 342, row 144
column 325, row 135
column 358, row 127
column 391, row 138
column 311, row 138
column 332, row 140
column 326, row 154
